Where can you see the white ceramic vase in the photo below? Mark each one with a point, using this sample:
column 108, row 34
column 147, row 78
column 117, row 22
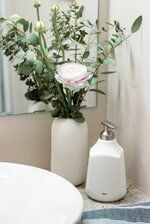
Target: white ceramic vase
column 69, row 150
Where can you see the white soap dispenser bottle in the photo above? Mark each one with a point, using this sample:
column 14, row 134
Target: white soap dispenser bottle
column 106, row 178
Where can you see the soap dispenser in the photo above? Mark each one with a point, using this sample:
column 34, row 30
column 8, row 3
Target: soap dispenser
column 106, row 178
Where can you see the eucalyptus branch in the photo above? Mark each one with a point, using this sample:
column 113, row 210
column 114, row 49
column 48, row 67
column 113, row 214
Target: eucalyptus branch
column 14, row 26
column 75, row 26
column 118, row 45
column 90, row 44
column 112, row 50
column 80, row 98
column 50, row 67
column 58, row 35
column 34, row 78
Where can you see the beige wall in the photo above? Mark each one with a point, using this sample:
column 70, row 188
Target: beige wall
column 128, row 102
column 26, row 138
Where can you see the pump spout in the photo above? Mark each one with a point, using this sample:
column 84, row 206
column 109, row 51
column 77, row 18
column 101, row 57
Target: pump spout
column 107, row 133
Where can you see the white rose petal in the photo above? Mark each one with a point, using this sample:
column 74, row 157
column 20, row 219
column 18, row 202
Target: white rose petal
column 72, row 71
column 73, row 76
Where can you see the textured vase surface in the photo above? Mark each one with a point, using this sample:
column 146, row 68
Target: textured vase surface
column 69, row 150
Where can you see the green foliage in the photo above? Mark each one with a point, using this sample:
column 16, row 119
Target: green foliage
column 80, row 12
column 33, row 39
column 94, row 31
column 107, row 73
column 32, row 95
column 56, row 112
column 30, row 56
column 39, row 67
column 86, row 54
column 18, row 58
column 47, row 96
column 80, row 119
column 109, row 61
column 2, row 20
column 97, row 91
column 36, row 59
column 24, row 23
column 94, row 81
column 137, row 24
column 25, row 68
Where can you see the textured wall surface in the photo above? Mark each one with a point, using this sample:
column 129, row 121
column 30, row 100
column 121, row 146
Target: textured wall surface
column 128, row 103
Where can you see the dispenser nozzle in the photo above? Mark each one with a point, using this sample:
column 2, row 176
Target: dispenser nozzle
column 107, row 133
column 109, row 125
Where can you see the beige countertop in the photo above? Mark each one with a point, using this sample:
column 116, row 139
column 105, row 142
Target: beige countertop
column 134, row 196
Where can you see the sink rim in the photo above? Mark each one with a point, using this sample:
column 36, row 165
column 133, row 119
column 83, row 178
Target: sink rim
column 17, row 165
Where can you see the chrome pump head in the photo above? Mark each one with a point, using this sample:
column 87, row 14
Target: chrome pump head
column 107, row 134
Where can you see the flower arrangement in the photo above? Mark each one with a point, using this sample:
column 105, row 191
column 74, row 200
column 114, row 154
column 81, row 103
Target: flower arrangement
column 62, row 70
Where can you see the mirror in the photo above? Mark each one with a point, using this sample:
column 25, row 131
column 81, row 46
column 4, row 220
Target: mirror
column 12, row 100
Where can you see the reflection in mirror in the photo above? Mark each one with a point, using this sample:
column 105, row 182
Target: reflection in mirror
column 1, row 86
column 12, row 100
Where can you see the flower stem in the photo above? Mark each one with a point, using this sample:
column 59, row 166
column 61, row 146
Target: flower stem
column 50, row 67
column 38, row 14
column 76, row 47
column 57, row 35
column 44, row 41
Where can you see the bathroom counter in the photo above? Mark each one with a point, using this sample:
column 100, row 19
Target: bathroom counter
column 134, row 195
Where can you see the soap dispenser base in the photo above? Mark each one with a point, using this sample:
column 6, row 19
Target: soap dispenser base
column 105, row 197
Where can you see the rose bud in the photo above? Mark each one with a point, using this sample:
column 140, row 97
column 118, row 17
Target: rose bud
column 40, row 27
column 37, row 4
column 55, row 8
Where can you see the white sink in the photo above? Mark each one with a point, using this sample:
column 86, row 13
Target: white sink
column 30, row 195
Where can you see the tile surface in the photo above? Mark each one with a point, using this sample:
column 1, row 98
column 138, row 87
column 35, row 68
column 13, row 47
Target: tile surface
column 134, row 195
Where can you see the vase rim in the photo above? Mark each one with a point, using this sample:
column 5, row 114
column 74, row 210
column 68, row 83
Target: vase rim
column 65, row 118
column 69, row 119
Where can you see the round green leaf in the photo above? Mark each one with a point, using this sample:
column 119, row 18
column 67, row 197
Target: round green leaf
column 33, row 39
column 30, row 56
column 94, row 81
column 86, row 54
column 25, row 69
column 24, row 23
column 80, row 119
column 18, row 58
column 39, row 67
